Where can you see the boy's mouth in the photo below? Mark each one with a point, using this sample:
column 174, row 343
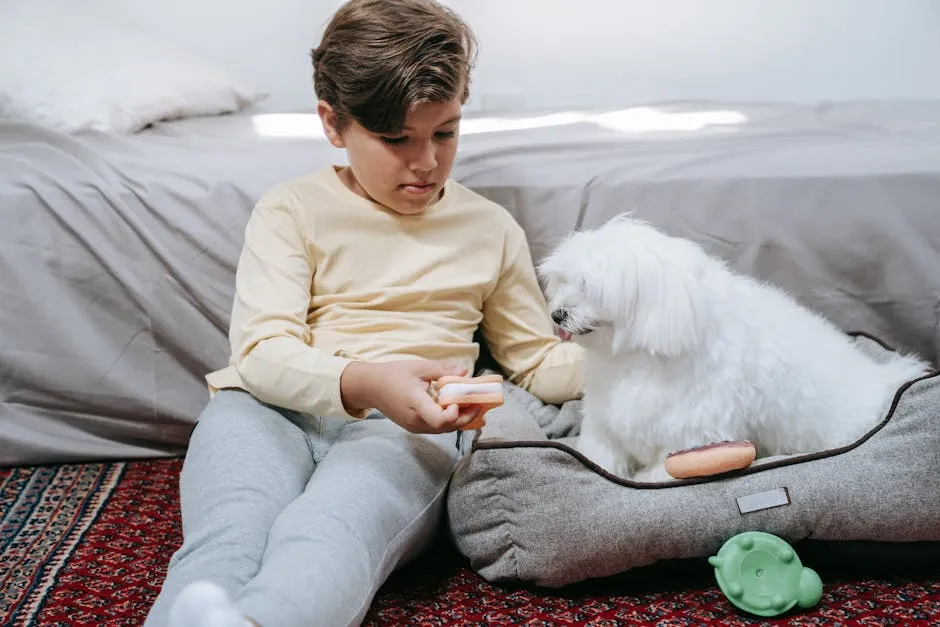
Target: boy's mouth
column 418, row 188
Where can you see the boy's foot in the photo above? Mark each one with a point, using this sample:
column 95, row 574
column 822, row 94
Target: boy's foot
column 205, row 604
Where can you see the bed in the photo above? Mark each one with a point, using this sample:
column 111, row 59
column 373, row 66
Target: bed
column 525, row 505
column 117, row 252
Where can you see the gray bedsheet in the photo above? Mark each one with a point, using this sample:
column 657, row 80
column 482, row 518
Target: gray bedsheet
column 839, row 204
column 116, row 267
column 117, row 254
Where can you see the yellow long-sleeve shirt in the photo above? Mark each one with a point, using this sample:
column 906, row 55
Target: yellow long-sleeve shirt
column 326, row 276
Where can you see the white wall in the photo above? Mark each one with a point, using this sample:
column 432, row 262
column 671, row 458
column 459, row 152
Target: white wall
column 605, row 53
column 265, row 41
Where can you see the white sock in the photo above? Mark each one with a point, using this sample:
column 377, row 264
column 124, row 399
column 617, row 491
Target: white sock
column 205, row 604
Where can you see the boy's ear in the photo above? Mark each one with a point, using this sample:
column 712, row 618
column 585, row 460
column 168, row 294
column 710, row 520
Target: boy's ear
column 330, row 122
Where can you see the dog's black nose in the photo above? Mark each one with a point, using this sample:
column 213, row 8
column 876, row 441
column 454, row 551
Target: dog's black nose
column 559, row 315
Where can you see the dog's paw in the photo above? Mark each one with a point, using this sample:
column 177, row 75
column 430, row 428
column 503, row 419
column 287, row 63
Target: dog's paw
column 652, row 474
column 603, row 454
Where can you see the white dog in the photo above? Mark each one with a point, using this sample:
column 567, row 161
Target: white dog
column 681, row 351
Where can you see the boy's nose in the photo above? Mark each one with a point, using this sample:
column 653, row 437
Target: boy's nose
column 426, row 159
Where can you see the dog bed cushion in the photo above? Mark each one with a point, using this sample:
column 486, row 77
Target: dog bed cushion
column 525, row 506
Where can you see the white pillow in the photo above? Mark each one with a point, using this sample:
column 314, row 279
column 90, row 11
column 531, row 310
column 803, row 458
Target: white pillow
column 72, row 66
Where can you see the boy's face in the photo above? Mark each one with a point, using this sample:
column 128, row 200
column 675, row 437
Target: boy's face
column 404, row 172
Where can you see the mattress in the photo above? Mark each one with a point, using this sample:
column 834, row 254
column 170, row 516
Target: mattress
column 117, row 254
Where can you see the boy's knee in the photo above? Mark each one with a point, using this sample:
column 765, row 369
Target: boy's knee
column 387, row 445
column 230, row 409
column 222, row 406
column 235, row 428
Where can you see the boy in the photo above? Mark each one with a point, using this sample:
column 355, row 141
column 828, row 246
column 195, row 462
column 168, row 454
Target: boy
column 321, row 461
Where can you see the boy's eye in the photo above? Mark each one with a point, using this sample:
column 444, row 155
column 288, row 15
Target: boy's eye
column 395, row 141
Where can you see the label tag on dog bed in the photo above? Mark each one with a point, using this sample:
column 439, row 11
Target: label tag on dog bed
column 763, row 500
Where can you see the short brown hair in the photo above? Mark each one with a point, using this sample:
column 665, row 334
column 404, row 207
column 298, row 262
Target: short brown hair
column 379, row 58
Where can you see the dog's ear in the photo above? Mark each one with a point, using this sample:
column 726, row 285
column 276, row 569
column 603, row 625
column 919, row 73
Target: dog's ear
column 664, row 309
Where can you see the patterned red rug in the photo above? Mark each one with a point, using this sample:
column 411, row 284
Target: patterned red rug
column 87, row 545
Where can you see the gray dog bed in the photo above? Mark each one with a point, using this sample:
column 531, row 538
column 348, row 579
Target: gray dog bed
column 525, row 506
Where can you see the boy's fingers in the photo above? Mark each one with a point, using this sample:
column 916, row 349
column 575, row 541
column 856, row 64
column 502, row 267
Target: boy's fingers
column 448, row 420
column 451, row 413
column 430, row 412
column 468, row 414
column 467, row 417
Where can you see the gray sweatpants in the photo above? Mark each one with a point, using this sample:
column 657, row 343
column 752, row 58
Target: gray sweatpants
column 297, row 536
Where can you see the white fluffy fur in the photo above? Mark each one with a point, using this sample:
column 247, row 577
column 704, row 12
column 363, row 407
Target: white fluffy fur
column 681, row 351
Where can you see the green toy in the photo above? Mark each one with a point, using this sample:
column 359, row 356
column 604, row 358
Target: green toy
column 762, row 574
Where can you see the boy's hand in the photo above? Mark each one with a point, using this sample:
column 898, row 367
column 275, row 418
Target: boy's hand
column 399, row 390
